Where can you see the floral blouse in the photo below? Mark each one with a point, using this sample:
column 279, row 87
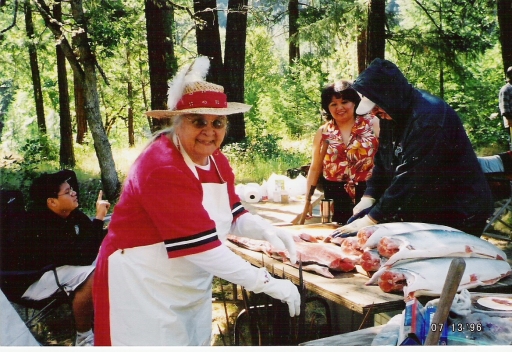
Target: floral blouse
column 350, row 162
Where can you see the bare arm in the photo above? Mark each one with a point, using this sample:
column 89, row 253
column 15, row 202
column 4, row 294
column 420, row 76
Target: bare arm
column 375, row 126
column 102, row 206
column 319, row 150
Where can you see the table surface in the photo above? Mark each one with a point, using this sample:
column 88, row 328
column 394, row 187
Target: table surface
column 346, row 289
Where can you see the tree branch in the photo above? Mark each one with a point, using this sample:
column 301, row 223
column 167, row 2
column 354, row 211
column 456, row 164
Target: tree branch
column 56, row 28
column 428, row 14
column 13, row 17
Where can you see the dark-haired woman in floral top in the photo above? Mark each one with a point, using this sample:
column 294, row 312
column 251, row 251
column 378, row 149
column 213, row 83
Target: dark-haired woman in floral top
column 343, row 151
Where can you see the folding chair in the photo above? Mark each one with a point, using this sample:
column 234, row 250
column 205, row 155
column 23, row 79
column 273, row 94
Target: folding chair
column 14, row 283
column 498, row 171
column 14, row 278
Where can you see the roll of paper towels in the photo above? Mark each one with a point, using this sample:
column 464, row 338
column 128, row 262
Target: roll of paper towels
column 239, row 190
column 252, row 194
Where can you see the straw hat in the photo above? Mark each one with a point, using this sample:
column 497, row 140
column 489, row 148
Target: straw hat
column 189, row 93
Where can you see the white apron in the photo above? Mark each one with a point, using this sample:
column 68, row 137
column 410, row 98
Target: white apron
column 155, row 300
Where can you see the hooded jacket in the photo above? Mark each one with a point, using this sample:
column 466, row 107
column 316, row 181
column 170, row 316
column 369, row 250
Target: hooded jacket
column 425, row 169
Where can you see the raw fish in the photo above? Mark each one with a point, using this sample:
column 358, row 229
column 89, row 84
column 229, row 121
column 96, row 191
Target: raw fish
column 395, row 228
column 436, row 243
column 315, row 254
column 371, row 260
column 426, row 277
column 335, row 240
column 350, row 246
column 326, row 255
column 306, row 237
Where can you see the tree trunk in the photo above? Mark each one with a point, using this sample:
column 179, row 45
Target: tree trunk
column 293, row 31
column 143, row 89
column 361, row 50
column 505, row 22
column 208, row 37
column 109, row 178
column 234, row 65
column 376, row 37
column 161, row 59
column 81, row 118
column 131, row 134
column 67, row 155
column 34, row 66
column 440, row 57
column 85, row 71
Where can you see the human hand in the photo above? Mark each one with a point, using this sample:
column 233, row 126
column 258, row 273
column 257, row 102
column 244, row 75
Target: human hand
column 364, row 203
column 308, row 210
column 354, row 226
column 102, row 207
column 281, row 240
column 287, row 238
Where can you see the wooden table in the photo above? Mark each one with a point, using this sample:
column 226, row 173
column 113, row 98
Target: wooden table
column 345, row 289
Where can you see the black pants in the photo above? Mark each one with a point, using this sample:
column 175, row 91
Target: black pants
column 342, row 203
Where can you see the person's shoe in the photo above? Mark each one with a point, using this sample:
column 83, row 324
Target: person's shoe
column 87, row 341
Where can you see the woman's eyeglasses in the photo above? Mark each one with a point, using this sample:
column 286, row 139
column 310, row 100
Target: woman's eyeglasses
column 200, row 123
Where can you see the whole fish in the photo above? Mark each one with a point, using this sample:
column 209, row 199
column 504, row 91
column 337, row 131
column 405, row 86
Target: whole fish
column 370, row 236
column 436, row 243
column 426, row 277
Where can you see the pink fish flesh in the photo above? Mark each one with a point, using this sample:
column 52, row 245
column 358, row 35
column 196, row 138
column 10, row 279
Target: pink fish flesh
column 426, row 277
column 308, row 237
column 436, row 243
column 371, row 260
column 350, row 246
column 334, row 240
column 326, row 255
column 316, row 254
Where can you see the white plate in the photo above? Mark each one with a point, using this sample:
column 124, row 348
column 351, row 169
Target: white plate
column 496, row 302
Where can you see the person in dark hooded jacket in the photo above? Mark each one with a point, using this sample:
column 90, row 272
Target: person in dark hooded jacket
column 425, row 169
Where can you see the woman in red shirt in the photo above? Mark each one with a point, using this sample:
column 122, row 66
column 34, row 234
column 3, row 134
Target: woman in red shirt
column 343, row 150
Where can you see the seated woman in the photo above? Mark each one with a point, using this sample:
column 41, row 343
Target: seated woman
column 59, row 233
column 343, row 151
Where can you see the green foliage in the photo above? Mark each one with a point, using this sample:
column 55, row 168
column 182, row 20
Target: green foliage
column 89, row 189
column 285, row 101
column 265, row 146
column 111, row 22
column 255, row 159
column 18, row 173
column 425, row 38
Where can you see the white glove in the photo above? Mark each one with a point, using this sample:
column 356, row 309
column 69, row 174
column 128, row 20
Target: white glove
column 286, row 238
column 364, row 203
column 255, row 227
column 281, row 289
column 354, row 226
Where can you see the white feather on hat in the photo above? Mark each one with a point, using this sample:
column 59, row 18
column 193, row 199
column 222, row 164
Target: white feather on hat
column 191, row 79
column 193, row 72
